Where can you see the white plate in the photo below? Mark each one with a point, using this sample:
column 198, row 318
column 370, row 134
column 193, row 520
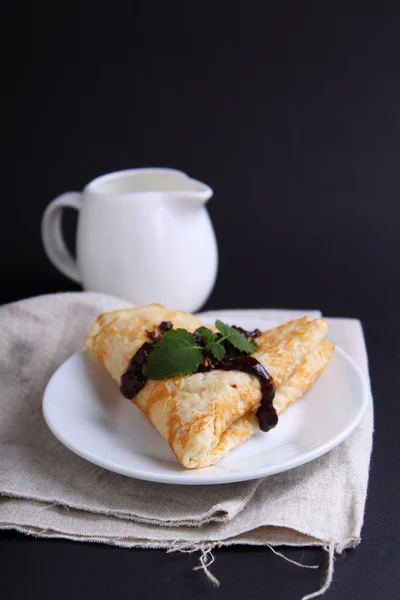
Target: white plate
column 84, row 409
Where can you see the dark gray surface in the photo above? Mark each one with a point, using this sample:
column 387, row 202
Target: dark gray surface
column 294, row 120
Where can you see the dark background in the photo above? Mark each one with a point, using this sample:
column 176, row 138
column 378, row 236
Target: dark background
column 291, row 113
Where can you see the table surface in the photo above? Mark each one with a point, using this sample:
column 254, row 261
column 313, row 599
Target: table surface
column 293, row 119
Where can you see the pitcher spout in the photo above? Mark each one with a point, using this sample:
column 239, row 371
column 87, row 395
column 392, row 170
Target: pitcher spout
column 192, row 193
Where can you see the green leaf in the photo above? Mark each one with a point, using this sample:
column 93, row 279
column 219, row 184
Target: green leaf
column 234, row 336
column 208, row 335
column 174, row 354
column 216, row 349
column 253, row 344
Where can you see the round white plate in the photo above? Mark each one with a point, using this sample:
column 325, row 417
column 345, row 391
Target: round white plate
column 84, row 409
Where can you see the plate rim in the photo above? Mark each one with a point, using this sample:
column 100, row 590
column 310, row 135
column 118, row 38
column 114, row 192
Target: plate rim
column 216, row 479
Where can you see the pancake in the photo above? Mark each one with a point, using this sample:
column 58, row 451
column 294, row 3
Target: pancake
column 204, row 415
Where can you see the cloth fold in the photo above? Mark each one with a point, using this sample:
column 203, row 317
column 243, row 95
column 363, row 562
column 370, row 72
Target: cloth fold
column 46, row 490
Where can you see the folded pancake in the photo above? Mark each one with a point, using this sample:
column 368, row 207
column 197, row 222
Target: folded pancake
column 297, row 383
column 205, row 415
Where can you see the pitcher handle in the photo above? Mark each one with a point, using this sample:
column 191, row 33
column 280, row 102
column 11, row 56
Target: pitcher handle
column 52, row 236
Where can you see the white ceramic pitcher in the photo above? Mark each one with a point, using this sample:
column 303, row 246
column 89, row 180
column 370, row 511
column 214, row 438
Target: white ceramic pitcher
column 143, row 235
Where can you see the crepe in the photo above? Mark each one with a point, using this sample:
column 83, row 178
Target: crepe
column 203, row 416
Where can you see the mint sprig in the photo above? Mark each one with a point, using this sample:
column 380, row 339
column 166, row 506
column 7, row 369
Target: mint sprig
column 174, row 354
column 234, row 337
column 208, row 335
column 177, row 352
column 216, row 349
column 213, row 345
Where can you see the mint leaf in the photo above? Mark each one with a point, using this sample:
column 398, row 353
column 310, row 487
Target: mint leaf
column 177, row 353
column 174, row 354
column 234, row 336
column 208, row 335
column 216, row 349
column 253, row 344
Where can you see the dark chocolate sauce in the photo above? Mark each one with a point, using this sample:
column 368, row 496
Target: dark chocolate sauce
column 133, row 380
column 198, row 338
column 249, row 335
column 165, row 326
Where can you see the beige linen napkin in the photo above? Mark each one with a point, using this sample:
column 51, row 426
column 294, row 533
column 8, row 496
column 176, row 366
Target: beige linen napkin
column 48, row 491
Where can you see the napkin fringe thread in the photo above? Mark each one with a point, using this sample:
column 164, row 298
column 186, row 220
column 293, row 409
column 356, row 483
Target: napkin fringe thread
column 330, row 549
column 294, row 562
column 207, row 558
